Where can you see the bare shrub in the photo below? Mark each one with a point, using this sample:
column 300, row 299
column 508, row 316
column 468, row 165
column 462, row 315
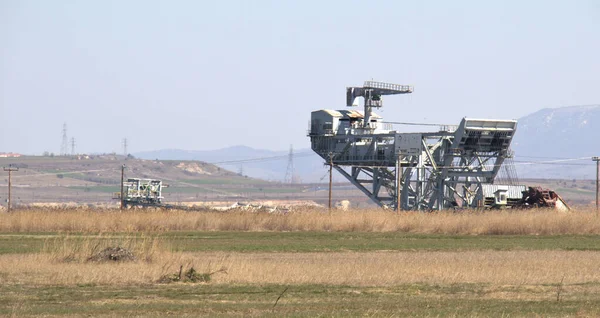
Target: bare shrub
column 190, row 276
column 82, row 248
column 113, row 254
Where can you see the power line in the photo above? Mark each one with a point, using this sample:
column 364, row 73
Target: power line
column 262, row 159
column 561, row 161
column 414, row 124
column 305, row 154
column 251, row 160
column 558, row 163
column 540, row 157
column 522, row 163
column 63, row 173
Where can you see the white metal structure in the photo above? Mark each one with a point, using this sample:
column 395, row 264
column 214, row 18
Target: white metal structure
column 142, row 192
column 435, row 170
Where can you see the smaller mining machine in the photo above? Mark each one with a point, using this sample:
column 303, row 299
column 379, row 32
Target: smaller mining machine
column 410, row 171
column 141, row 193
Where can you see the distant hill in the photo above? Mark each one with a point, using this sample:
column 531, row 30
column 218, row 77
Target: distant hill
column 93, row 170
column 256, row 163
column 94, row 179
column 551, row 134
column 557, row 134
column 230, row 153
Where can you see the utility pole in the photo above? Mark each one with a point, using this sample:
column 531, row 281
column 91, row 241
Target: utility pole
column 122, row 179
column 398, row 183
column 597, row 159
column 9, row 169
column 330, row 177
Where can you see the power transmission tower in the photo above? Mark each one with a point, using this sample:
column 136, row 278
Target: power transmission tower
column 64, row 146
column 125, row 153
column 289, row 173
column 72, row 146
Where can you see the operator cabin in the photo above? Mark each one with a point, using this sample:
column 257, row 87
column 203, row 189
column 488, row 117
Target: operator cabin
column 326, row 122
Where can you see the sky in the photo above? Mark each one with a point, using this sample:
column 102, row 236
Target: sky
column 200, row 75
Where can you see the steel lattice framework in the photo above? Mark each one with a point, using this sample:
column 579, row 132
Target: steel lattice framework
column 432, row 170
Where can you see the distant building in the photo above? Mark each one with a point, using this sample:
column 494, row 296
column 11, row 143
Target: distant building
column 9, row 155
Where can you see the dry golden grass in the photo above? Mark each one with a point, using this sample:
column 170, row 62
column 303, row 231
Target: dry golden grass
column 521, row 222
column 79, row 249
column 355, row 269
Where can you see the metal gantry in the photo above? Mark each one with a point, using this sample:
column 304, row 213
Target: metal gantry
column 435, row 170
column 140, row 192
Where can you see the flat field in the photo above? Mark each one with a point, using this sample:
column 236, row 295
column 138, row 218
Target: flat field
column 303, row 263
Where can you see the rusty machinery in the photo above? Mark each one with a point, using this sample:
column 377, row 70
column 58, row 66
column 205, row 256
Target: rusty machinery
column 538, row 197
column 492, row 196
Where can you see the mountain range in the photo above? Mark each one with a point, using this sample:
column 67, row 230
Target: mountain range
column 546, row 145
column 561, row 141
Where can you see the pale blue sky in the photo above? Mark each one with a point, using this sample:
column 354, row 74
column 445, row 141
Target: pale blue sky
column 210, row 74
